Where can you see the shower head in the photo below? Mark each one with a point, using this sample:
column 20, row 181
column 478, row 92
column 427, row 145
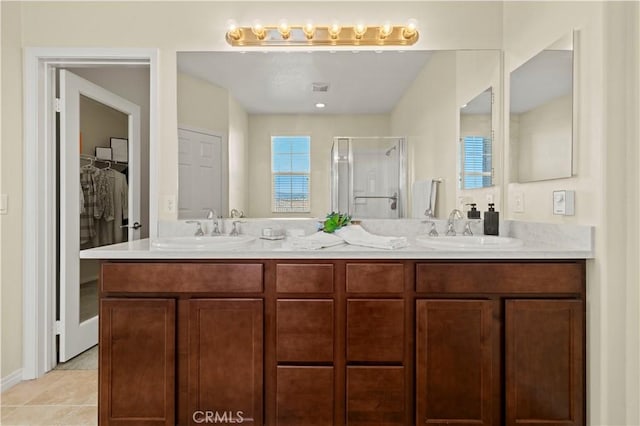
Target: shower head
column 388, row 152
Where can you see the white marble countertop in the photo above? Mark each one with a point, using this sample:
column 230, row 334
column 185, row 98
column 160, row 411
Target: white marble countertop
column 557, row 243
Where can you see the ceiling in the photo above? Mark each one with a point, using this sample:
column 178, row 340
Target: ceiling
column 360, row 82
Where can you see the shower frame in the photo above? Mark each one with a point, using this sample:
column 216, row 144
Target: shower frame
column 335, row 181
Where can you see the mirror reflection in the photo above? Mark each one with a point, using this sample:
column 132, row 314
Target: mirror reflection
column 233, row 106
column 476, row 140
column 541, row 115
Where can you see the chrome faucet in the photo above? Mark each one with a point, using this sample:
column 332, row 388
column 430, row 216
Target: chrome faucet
column 213, row 216
column 432, row 229
column 199, row 231
column 234, row 230
column 455, row 214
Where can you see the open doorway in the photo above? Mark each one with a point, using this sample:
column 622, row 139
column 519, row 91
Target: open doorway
column 41, row 272
column 99, row 191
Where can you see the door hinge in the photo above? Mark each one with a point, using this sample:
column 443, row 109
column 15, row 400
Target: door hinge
column 58, row 328
column 58, row 105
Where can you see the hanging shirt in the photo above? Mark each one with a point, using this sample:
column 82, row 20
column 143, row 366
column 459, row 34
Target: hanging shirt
column 110, row 224
column 87, row 185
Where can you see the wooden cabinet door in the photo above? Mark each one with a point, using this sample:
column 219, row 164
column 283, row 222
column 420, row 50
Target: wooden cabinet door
column 375, row 330
column 304, row 330
column 224, row 340
column 137, row 362
column 304, row 396
column 544, row 362
column 376, row 396
column 457, row 362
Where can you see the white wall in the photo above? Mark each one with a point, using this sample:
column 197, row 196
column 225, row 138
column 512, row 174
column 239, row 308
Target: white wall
column 322, row 129
column 428, row 113
column 606, row 181
column 202, row 105
column 11, row 181
column 238, row 157
column 540, row 143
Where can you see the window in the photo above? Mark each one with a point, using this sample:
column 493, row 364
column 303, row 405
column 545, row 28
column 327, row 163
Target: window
column 290, row 169
column 476, row 162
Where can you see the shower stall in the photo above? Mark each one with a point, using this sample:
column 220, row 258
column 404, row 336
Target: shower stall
column 369, row 177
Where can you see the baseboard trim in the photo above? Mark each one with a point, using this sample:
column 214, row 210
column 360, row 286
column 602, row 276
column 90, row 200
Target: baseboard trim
column 11, row 380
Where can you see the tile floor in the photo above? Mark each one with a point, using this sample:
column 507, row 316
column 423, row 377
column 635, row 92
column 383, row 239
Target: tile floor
column 60, row 397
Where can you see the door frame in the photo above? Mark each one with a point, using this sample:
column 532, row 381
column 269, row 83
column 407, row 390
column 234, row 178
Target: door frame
column 39, row 183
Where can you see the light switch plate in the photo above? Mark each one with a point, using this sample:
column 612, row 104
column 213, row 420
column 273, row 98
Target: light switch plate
column 564, row 203
column 4, row 203
column 518, row 202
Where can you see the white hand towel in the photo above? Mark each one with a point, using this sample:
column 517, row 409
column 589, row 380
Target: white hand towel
column 356, row 235
column 314, row 241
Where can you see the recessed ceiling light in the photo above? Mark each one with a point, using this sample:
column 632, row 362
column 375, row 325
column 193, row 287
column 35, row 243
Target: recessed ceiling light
column 320, row 105
column 464, row 106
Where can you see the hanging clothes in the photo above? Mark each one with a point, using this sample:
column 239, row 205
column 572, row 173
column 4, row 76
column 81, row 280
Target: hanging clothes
column 106, row 205
column 116, row 210
column 87, row 185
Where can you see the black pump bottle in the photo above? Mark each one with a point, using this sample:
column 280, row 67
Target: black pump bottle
column 491, row 221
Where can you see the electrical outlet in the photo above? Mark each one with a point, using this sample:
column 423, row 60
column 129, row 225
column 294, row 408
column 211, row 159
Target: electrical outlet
column 518, row 202
column 170, row 204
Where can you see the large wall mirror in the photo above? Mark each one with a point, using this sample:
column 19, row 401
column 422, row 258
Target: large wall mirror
column 541, row 115
column 235, row 110
column 476, row 142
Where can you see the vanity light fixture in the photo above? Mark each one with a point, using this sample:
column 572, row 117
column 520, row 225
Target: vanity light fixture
column 334, row 34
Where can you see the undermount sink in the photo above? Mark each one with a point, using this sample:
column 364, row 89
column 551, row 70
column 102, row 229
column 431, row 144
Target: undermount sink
column 221, row 242
column 483, row 242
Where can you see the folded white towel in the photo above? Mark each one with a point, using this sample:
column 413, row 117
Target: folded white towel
column 356, row 235
column 314, row 241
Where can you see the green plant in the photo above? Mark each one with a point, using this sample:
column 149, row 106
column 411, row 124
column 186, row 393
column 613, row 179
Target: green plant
column 335, row 221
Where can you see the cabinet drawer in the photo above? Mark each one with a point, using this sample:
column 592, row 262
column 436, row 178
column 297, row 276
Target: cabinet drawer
column 304, row 330
column 181, row 277
column 375, row 396
column 375, row 277
column 515, row 278
column 375, row 330
column 304, row 396
column 304, row 278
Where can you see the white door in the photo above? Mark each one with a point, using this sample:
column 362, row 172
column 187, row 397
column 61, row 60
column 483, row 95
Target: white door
column 199, row 173
column 77, row 336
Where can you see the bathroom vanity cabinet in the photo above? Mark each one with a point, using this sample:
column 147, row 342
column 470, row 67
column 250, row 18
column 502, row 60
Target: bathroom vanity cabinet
column 358, row 342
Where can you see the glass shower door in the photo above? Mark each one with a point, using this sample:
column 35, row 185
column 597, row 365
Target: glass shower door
column 368, row 177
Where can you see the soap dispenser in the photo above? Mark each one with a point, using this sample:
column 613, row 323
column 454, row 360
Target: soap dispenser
column 491, row 221
column 473, row 213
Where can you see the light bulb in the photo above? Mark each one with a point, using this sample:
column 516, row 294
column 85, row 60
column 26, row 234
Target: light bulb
column 334, row 30
column 258, row 30
column 320, row 105
column 284, row 29
column 359, row 30
column 385, row 30
column 234, row 32
column 309, row 30
column 410, row 30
